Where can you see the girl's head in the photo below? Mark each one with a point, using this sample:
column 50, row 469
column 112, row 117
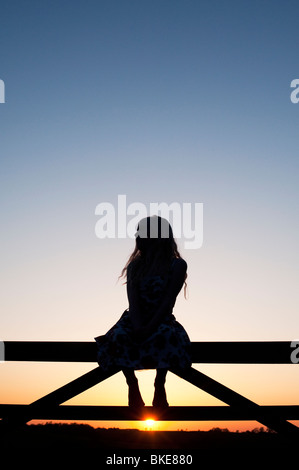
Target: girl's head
column 154, row 238
column 155, row 248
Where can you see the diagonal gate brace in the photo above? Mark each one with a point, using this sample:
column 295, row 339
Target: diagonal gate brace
column 63, row 394
column 235, row 400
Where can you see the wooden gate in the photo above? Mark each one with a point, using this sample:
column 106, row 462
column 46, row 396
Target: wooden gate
column 240, row 408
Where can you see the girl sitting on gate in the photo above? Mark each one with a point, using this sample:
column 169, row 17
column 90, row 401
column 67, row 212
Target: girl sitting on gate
column 147, row 336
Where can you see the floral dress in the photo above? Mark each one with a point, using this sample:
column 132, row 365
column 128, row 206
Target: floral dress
column 168, row 347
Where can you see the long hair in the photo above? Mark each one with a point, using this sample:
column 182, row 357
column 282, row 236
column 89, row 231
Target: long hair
column 155, row 249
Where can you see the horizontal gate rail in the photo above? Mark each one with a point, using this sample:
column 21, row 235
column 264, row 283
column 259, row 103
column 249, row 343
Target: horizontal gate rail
column 173, row 413
column 204, row 352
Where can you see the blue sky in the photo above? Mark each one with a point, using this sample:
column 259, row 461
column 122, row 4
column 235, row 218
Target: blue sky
column 161, row 101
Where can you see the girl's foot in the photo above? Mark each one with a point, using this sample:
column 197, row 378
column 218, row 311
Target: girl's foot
column 160, row 400
column 135, row 398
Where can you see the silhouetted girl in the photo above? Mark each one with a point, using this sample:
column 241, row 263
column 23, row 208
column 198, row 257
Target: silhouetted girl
column 147, row 336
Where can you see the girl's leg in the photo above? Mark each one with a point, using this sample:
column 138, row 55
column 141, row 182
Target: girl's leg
column 160, row 399
column 135, row 398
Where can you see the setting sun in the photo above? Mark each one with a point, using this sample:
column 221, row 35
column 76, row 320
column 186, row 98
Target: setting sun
column 150, row 423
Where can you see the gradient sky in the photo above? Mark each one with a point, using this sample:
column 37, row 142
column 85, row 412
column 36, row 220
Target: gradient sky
column 162, row 101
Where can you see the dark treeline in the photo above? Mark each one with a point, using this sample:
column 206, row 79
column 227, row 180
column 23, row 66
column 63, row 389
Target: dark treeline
column 52, row 435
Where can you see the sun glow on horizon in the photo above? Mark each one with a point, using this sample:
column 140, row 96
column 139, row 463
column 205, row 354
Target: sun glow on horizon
column 150, row 424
